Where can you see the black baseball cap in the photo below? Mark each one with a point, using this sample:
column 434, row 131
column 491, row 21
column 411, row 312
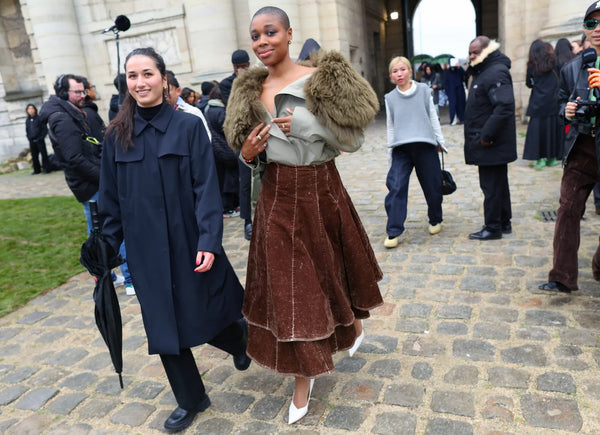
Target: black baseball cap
column 594, row 7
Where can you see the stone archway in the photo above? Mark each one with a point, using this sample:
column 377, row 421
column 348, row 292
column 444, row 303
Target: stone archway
column 18, row 79
column 16, row 62
column 400, row 33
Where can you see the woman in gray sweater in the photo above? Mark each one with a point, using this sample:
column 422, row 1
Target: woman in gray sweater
column 414, row 138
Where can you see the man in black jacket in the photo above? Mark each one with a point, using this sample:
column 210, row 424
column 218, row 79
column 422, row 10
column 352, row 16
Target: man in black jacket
column 76, row 149
column 241, row 62
column 581, row 159
column 69, row 133
column 490, row 133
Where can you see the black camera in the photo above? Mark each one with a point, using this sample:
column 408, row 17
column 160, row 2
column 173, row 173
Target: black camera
column 586, row 110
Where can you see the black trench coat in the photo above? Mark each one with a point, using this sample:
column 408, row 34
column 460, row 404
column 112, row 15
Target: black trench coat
column 163, row 197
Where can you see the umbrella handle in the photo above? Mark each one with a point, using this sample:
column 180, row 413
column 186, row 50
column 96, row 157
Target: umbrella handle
column 95, row 216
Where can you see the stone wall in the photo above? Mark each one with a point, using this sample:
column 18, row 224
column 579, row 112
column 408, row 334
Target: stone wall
column 42, row 39
column 19, row 84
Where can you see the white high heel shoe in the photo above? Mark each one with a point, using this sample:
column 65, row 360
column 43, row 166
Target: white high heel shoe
column 357, row 342
column 296, row 414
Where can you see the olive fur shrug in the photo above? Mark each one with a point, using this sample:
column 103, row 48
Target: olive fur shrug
column 336, row 94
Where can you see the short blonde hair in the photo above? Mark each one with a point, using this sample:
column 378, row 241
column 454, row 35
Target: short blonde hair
column 398, row 59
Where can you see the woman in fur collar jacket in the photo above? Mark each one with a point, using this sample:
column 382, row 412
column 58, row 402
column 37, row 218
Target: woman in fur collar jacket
column 312, row 274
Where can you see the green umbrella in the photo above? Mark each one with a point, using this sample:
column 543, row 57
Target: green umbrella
column 442, row 59
column 420, row 58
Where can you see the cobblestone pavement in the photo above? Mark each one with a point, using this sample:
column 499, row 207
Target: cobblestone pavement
column 463, row 344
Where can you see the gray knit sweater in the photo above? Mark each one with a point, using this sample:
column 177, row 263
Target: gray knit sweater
column 411, row 116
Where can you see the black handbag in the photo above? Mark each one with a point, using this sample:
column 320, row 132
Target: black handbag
column 448, row 184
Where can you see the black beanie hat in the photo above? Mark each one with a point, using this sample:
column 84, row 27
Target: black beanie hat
column 239, row 57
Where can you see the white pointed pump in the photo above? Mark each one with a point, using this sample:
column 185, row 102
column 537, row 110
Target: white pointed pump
column 296, row 414
column 358, row 341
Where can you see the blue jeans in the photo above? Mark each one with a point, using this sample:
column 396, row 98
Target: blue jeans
column 122, row 251
column 424, row 158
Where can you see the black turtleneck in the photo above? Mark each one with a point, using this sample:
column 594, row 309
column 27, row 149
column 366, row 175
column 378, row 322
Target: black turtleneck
column 147, row 113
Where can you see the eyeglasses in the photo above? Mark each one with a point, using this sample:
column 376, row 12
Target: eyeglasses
column 591, row 23
column 79, row 92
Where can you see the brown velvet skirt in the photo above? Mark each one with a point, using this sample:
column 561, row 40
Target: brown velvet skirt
column 311, row 271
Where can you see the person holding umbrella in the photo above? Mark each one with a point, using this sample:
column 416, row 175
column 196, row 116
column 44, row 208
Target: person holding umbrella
column 159, row 190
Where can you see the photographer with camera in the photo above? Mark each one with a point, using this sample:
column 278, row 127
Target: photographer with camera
column 580, row 103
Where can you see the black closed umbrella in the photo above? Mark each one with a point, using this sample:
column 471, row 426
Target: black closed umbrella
column 99, row 258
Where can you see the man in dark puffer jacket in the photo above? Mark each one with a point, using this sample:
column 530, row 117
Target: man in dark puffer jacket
column 68, row 131
column 490, row 133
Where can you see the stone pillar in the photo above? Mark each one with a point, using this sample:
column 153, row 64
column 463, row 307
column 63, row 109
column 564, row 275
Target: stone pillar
column 57, row 37
column 211, row 27
column 564, row 19
column 520, row 23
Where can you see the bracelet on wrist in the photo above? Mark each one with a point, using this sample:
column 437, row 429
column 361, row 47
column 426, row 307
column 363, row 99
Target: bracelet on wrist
column 249, row 160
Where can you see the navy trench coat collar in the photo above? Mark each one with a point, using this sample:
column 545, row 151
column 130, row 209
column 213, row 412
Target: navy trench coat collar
column 159, row 122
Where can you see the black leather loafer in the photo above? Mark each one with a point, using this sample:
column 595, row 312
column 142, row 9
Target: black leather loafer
column 242, row 361
column 181, row 419
column 555, row 286
column 486, row 235
column 248, row 231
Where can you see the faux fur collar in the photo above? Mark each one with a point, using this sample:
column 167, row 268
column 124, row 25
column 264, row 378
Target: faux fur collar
column 336, row 94
column 493, row 46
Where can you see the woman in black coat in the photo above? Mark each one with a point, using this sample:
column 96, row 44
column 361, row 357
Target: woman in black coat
column 225, row 159
column 158, row 190
column 545, row 134
column 434, row 81
column 564, row 52
column 36, row 132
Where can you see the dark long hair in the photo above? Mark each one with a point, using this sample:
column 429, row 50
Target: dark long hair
column 564, row 51
column 122, row 126
column 541, row 57
column 215, row 93
column 34, row 108
column 186, row 92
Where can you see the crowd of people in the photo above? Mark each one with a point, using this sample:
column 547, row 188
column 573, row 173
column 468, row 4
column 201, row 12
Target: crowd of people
column 174, row 162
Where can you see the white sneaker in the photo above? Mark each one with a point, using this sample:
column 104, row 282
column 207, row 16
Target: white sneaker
column 129, row 290
column 434, row 229
column 454, row 122
column 119, row 280
column 391, row 242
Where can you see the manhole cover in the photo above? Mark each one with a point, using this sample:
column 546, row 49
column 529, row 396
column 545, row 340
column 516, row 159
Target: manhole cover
column 548, row 216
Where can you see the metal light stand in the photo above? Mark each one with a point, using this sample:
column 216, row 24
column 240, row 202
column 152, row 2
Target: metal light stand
column 116, row 32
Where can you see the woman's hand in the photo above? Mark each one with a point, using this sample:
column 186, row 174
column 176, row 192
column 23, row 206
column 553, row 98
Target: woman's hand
column 204, row 261
column 256, row 142
column 284, row 122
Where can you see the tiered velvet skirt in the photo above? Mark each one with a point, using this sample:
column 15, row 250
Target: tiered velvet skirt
column 311, row 271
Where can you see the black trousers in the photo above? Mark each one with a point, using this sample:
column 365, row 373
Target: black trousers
column 497, row 211
column 183, row 373
column 37, row 148
column 245, row 194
